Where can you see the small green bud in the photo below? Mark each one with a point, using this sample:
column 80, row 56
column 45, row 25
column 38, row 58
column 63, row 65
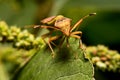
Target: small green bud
column 95, row 59
column 26, row 43
column 3, row 26
column 15, row 29
column 107, row 63
column 101, row 65
column 30, row 38
column 4, row 33
column 10, row 37
column 18, row 44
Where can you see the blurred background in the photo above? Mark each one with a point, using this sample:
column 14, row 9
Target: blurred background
column 100, row 29
column 104, row 28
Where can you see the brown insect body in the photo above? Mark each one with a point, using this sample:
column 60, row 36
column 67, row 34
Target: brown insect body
column 62, row 24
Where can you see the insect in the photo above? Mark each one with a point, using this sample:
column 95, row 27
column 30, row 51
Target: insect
column 63, row 25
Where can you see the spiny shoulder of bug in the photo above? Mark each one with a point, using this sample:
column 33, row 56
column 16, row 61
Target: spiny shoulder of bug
column 56, row 21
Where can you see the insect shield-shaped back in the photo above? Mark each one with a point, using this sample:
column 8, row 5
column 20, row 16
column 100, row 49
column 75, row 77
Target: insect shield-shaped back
column 63, row 24
column 51, row 20
column 60, row 22
column 47, row 20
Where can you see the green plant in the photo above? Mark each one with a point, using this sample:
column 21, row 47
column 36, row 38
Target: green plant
column 26, row 45
column 65, row 66
column 69, row 63
column 19, row 38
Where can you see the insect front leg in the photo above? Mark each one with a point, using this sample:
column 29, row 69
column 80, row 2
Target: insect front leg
column 68, row 45
column 76, row 25
column 80, row 21
column 77, row 34
column 48, row 40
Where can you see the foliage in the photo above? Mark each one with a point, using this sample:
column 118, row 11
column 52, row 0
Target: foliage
column 23, row 12
column 101, row 57
column 12, row 59
column 69, row 64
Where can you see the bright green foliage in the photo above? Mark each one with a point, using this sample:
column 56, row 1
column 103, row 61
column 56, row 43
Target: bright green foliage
column 69, row 64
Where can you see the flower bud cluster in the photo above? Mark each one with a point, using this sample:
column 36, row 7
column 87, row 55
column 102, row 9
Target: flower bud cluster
column 104, row 58
column 19, row 38
column 14, row 56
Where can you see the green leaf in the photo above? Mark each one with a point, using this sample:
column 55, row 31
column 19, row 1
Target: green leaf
column 68, row 64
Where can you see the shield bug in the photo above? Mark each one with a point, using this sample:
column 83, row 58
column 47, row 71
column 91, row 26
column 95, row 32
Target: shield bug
column 63, row 25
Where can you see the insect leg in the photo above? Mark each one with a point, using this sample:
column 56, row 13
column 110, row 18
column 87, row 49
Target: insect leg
column 79, row 22
column 76, row 25
column 47, row 27
column 62, row 41
column 49, row 41
column 75, row 34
